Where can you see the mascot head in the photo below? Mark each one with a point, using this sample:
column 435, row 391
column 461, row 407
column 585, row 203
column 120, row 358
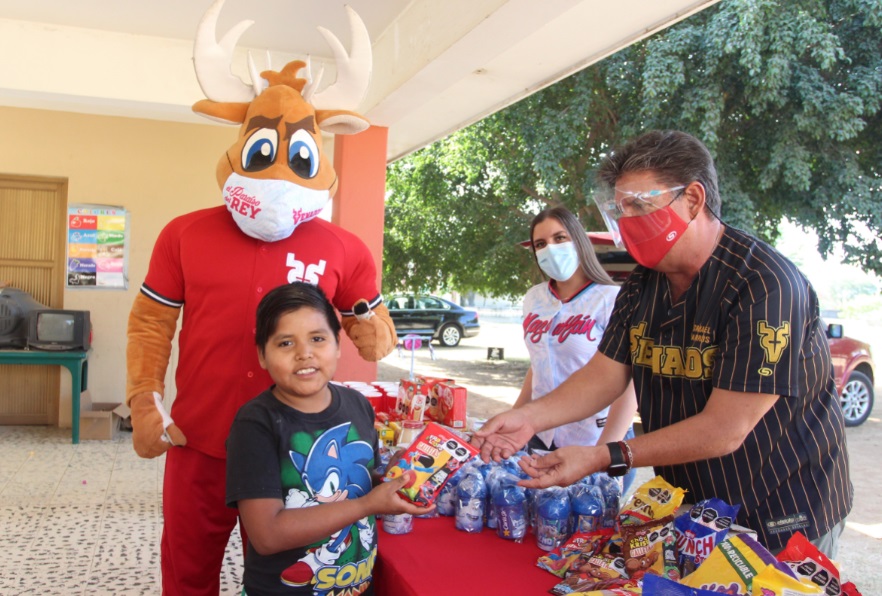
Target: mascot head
column 276, row 176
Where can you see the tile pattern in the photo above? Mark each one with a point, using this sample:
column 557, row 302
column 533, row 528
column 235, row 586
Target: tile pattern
column 84, row 519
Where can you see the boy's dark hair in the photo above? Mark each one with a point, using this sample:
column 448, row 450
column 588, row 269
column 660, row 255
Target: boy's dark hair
column 288, row 298
column 674, row 157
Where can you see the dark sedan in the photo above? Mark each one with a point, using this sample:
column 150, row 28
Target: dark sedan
column 430, row 316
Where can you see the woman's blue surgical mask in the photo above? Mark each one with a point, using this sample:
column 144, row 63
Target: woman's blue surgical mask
column 558, row 261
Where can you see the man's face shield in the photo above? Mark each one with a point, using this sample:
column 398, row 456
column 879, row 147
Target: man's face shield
column 615, row 203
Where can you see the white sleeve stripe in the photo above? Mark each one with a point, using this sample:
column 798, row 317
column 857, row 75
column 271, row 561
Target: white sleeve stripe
column 373, row 304
column 160, row 298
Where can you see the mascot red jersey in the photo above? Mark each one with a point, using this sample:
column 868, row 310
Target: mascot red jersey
column 216, row 264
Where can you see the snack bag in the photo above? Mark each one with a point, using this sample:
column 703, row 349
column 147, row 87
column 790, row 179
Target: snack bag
column 655, row 499
column 429, row 461
column 651, row 549
column 732, row 565
column 582, row 545
column 807, row 562
column 699, row 531
column 774, row 582
column 654, row 585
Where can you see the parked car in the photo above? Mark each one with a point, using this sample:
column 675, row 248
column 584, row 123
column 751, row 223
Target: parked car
column 853, row 371
column 853, row 367
column 433, row 317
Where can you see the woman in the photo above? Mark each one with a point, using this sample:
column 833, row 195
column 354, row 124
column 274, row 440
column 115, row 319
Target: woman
column 564, row 320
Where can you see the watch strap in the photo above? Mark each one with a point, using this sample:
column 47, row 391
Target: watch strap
column 618, row 465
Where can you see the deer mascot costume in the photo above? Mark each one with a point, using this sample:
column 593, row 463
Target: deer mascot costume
column 216, row 264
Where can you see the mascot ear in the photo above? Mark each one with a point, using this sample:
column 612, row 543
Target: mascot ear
column 227, row 113
column 341, row 122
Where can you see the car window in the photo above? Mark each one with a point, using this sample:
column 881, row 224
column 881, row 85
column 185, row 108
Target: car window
column 429, row 302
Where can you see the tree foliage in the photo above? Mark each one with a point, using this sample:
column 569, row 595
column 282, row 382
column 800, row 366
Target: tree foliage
column 785, row 94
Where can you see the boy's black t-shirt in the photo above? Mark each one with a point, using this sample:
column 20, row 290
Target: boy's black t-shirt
column 275, row 451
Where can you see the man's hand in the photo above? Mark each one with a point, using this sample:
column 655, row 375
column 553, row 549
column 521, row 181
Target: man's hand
column 562, row 467
column 153, row 433
column 503, row 435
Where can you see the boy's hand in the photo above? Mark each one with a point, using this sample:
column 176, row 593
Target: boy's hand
column 384, row 499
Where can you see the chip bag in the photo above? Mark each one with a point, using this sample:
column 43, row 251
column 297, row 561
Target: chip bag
column 654, row 499
column 732, row 565
column 807, row 562
column 651, row 549
column 699, row 531
column 771, row 581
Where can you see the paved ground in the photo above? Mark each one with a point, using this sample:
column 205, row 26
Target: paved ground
column 494, row 385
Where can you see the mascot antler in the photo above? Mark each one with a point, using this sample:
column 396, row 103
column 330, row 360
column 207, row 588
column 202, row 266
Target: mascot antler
column 213, row 60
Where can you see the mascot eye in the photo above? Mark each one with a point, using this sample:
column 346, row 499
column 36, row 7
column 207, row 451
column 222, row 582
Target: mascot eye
column 331, row 485
column 303, row 155
column 259, row 151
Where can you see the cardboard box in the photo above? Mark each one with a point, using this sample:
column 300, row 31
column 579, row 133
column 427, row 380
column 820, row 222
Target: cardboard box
column 102, row 421
column 415, row 397
column 449, row 405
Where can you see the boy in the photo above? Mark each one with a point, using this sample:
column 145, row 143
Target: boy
column 304, row 443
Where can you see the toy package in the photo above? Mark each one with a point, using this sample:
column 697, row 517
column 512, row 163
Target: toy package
column 429, row 462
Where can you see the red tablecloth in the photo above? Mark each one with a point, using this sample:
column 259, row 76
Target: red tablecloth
column 436, row 558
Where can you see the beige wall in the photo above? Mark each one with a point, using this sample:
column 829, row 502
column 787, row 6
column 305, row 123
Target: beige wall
column 155, row 169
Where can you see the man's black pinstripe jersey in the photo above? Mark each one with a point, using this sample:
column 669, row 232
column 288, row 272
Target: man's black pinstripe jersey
column 748, row 323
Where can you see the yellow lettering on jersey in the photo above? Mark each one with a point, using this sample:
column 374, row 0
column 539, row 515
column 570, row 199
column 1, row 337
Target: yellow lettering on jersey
column 672, row 365
column 773, row 340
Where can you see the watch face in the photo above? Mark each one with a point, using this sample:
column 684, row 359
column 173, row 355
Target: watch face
column 617, row 470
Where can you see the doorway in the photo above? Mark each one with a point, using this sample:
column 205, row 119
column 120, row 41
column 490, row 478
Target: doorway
column 32, row 246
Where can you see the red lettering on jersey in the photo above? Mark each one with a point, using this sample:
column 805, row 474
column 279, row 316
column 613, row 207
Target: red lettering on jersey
column 575, row 325
column 535, row 328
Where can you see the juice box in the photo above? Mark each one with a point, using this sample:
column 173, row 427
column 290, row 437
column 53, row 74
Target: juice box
column 429, row 461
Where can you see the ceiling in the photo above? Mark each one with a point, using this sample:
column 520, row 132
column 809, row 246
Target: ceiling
column 439, row 65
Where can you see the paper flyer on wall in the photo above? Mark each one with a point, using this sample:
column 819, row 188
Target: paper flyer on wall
column 97, row 247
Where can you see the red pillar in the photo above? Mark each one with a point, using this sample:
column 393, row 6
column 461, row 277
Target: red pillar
column 360, row 162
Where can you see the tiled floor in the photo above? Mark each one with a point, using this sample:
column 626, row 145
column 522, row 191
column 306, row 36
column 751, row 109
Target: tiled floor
column 83, row 519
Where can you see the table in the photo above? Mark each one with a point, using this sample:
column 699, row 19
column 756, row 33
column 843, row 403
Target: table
column 76, row 362
column 437, row 559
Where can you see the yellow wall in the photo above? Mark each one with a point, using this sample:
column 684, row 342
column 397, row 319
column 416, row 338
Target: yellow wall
column 157, row 170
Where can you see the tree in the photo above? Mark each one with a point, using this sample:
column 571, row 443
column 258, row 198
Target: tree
column 785, row 94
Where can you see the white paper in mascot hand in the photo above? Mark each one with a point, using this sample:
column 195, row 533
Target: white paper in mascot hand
column 275, row 180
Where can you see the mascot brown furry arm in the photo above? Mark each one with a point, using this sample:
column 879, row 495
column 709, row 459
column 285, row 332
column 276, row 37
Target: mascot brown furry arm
column 150, row 332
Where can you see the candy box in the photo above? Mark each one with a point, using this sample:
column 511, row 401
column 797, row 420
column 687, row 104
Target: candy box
column 412, row 399
column 448, row 403
column 429, row 461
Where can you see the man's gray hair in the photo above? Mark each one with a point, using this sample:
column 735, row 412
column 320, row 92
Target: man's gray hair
column 674, row 157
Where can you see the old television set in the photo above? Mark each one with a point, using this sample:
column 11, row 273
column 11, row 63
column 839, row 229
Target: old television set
column 15, row 307
column 58, row 329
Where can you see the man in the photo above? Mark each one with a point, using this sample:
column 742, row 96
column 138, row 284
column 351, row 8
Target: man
column 722, row 337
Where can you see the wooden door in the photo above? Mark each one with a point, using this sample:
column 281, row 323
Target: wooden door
column 33, row 216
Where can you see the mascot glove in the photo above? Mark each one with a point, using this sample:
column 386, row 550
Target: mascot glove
column 153, row 431
column 372, row 338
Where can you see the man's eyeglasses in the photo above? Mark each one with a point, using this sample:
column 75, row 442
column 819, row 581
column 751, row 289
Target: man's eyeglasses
column 630, row 203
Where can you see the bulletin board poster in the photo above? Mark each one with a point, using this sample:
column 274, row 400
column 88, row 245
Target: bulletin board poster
column 97, row 247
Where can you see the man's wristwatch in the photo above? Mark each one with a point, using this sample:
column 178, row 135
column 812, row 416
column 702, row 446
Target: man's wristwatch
column 620, row 459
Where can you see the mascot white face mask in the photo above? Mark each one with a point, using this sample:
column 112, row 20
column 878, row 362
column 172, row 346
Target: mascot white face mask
column 269, row 210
